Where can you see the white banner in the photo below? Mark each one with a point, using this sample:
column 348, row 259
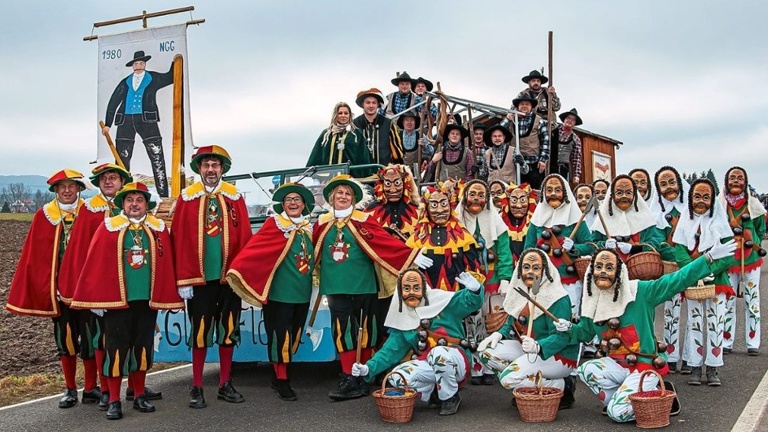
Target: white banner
column 136, row 103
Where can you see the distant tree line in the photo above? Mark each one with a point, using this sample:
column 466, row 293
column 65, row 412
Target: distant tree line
column 18, row 198
column 704, row 174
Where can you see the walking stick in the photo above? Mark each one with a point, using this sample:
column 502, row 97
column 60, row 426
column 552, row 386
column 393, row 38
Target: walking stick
column 590, row 206
column 550, row 118
column 359, row 338
column 112, row 148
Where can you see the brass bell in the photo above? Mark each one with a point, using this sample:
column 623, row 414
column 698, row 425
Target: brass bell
column 557, row 252
column 604, row 345
column 523, row 320
column 659, row 362
column 761, row 252
column 425, row 323
column 556, row 230
column 422, row 335
column 491, row 256
column 422, row 345
column 614, row 343
column 749, row 244
column 745, row 217
column 661, row 346
column 545, row 247
column 668, row 217
column 614, row 323
column 570, row 269
column 738, row 231
column 631, row 359
column 546, row 235
column 442, row 342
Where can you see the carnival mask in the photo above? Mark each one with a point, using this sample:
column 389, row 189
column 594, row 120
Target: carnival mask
column 623, row 194
column 439, row 208
column 641, row 181
column 554, row 191
column 497, row 194
column 701, row 198
column 601, row 190
column 737, row 181
column 604, row 270
column 583, row 195
column 475, row 198
column 412, row 288
column 393, row 185
column 518, row 203
column 531, row 268
column 669, row 188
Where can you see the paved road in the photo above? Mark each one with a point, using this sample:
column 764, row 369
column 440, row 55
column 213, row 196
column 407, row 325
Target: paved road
column 485, row 408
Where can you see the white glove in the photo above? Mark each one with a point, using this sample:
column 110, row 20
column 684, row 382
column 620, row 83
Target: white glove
column 422, row 261
column 359, row 370
column 468, row 281
column 567, row 244
column 563, row 325
column 186, row 292
column 530, row 346
column 492, row 340
column 610, row 243
column 625, row 248
column 505, row 286
column 723, row 250
column 98, row 312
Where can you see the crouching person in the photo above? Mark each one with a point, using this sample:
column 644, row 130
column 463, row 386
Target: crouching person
column 130, row 277
column 429, row 324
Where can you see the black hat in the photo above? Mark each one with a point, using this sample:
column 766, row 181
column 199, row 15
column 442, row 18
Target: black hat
column 572, row 112
column 402, row 77
column 478, row 125
column 410, row 113
column 487, row 135
column 535, row 74
column 460, row 128
column 425, row 81
column 138, row 56
column 523, row 98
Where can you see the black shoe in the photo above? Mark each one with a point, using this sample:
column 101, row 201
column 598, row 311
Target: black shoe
column 604, row 411
column 284, row 390
column 92, row 396
column 434, row 400
column 104, row 401
column 712, row 379
column 142, row 404
column 363, row 386
column 348, row 389
column 672, row 367
column 115, row 411
column 69, row 399
column 228, row 393
column 695, row 378
column 727, row 351
column 568, row 393
column 476, row 380
column 489, row 379
column 196, row 398
column 151, row 395
column 685, row 369
column 753, row 352
column 450, row 406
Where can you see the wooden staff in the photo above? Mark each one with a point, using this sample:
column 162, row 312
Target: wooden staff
column 112, row 148
column 442, row 118
column 538, row 305
column 602, row 222
column 359, row 338
column 315, row 307
column 590, row 206
column 550, row 117
column 177, row 149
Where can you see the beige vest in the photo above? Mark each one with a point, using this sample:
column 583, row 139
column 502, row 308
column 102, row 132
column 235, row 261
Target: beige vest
column 457, row 171
column 529, row 145
column 508, row 170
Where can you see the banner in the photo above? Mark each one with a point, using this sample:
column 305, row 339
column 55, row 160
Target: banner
column 139, row 99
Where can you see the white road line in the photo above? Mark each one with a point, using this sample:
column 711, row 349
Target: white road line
column 750, row 417
column 45, row 398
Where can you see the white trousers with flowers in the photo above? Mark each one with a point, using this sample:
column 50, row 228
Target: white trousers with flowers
column 476, row 326
column 672, row 327
column 443, row 370
column 516, row 368
column 751, row 293
column 701, row 313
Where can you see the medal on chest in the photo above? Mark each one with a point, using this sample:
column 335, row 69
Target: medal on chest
column 136, row 254
column 302, row 258
column 339, row 249
column 212, row 219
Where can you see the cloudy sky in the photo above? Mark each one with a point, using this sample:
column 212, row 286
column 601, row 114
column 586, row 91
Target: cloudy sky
column 680, row 83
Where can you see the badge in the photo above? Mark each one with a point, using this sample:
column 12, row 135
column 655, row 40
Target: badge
column 339, row 251
column 135, row 256
column 302, row 263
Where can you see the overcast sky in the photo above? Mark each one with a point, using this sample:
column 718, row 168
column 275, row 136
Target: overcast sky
column 679, row 82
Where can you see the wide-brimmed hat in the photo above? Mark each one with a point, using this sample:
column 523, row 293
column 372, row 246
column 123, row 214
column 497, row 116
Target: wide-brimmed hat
column 107, row 167
column 287, row 188
column 211, row 150
column 402, row 77
column 460, row 128
column 370, row 92
column 487, row 134
column 132, row 188
column 525, row 98
column 479, row 125
column 138, row 56
column 424, row 81
column 572, row 112
column 66, row 174
column 410, row 113
column 535, row 74
column 343, row 179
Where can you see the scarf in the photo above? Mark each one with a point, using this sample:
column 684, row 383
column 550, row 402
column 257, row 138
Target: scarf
column 549, row 293
column 710, row 229
column 624, row 223
column 410, row 318
column 567, row 214
column 491, row 223
column 600, row 305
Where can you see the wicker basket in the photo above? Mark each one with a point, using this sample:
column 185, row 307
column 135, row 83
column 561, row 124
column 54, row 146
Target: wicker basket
column 495, row 320
column 581, row 264
column 538, row 404
column 670, row 267
column 645, row 265
column 652, row 407
column 700, row 291
column 395, row 403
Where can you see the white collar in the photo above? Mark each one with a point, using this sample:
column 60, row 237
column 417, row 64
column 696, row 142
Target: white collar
column 491, row 224
column 600, row 305
column 410, row 318
column 298, row 221
column 549, row 293
column 341, row 214
column 67, row 207
column 710, row 229
column 624, row 223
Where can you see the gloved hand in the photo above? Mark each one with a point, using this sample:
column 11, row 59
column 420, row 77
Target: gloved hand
column 530, row 346
column 562, row 325
column 422, row 261
column 505, row 286
column 469, row 281
column 359, row 370
column 98, row 312
column 567, row 244
column 519, row 159
column 723, row 250
column 610, row 243
column 492, row 340
column 625, row 248
column 186, row 292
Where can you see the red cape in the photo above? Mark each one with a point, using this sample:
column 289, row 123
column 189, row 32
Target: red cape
column 268, row 247
column 102, row 284
column 188, row 231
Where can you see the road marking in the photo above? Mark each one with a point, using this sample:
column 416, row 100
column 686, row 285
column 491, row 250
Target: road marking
column 45, row 398
column 750, row 417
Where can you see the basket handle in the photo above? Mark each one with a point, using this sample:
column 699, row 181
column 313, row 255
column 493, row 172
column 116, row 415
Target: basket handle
column 652, row 372
column 649, row 245
column 537, row 382
column 386, row 379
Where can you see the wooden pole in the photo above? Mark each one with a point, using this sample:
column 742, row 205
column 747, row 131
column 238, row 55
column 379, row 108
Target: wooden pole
column 550, row 117
column 112, row 148
column 178, row 179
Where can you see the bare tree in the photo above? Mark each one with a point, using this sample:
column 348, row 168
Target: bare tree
column 40, row 198
column 14, row 192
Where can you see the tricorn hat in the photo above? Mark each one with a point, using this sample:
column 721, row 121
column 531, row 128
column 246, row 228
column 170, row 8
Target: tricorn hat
column 525, row 98
column 370, row 92
column 535, row 74
column 138, row 56
column 424, row 81
column 487, row 135
column 285, row 189
column 401, row 77
column 572, row 112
